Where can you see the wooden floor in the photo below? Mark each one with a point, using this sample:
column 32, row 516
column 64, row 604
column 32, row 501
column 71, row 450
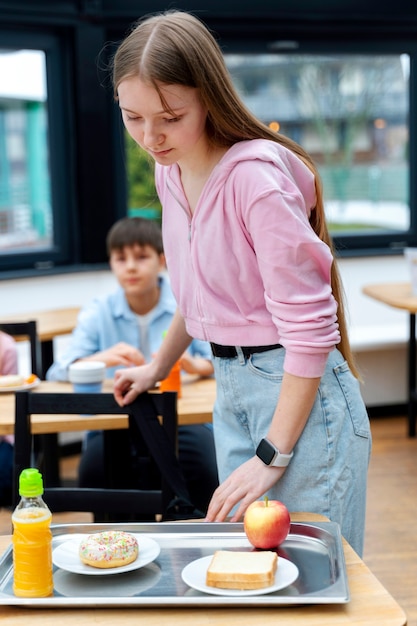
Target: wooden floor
column 391, row 532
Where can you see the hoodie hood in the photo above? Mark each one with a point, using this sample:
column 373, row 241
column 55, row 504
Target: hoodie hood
column 288, row 164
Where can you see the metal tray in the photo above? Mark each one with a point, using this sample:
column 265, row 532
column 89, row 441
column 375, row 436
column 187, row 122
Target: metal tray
column 315, row 548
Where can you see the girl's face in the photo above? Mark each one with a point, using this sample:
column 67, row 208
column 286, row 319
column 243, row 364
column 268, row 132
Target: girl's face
column 178, row 136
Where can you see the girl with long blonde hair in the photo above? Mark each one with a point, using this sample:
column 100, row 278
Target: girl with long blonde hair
column 252, row 267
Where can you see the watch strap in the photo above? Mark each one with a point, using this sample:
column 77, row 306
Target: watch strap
column 281, row 460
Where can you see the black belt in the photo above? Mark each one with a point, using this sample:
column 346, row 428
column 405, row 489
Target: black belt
column 229, row 352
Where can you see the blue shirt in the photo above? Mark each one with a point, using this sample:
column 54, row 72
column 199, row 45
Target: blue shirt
column 108, row 320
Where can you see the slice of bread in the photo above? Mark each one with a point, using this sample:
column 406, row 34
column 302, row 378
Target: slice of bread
column 242, row 570
column 11, row 380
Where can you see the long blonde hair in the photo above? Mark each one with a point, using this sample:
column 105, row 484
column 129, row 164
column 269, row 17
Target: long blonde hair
column 175, row 47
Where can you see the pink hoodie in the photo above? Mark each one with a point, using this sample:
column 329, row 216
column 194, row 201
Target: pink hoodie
column 246, row 268
column 8, row 354
column 8, row 364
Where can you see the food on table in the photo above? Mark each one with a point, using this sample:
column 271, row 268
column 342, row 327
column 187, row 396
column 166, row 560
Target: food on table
column 31, row 379
column 11, row 380
column 112, row 548
column 242, row 570
column 266, row 523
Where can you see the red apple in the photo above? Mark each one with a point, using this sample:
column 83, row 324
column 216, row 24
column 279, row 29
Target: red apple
column 266, row 523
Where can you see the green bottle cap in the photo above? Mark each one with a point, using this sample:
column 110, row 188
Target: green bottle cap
column 30, row 483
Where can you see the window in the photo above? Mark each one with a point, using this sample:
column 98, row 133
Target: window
column 350, row 111
column 142, row 199
column 34, row 216
column 67, row 173
column 25, row 190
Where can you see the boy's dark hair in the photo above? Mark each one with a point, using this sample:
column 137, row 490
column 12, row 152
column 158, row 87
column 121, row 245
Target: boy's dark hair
column 130, row 231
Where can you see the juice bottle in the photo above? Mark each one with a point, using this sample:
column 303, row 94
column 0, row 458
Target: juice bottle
column 173, row 381
column 32, row 539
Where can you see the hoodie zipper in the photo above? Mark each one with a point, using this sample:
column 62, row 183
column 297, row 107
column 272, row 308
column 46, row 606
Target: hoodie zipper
column 189, row 219
column 184, row 208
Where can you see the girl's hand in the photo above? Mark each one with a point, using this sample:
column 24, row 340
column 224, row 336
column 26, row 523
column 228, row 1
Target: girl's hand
column 247, row 483
column 129, row 383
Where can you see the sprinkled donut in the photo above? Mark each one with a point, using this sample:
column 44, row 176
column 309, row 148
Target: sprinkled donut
column 112, row 548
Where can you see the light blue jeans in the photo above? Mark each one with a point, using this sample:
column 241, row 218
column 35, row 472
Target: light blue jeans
column 328, row 472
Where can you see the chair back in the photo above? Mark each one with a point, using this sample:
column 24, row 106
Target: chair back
column 29, row 330
column 120, row 500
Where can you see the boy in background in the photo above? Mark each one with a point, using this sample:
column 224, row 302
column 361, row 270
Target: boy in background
column 126, row 328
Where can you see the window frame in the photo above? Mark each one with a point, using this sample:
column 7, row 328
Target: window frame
column 58, row 146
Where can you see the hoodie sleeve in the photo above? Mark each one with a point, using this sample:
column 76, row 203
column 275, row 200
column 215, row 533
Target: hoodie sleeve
column 294, row 265
column 8, row 354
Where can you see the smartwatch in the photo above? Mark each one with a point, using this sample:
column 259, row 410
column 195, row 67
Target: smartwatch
column 271, row 456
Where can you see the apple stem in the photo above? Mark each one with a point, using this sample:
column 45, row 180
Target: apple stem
column 266, row 500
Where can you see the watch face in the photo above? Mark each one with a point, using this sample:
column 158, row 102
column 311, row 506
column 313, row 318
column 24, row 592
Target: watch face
column 266, row 452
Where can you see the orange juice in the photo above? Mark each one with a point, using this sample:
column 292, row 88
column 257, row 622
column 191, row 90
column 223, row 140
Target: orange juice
column 173, row 381
column 32, row 552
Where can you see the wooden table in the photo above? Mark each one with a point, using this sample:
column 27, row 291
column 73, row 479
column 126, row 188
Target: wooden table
column 370, row 604
column 194, row 407
column 50, row 323
column 399, row 296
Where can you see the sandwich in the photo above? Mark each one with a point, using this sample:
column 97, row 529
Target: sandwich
column 242, row 570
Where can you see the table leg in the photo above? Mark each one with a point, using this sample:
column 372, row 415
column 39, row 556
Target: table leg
column 412, row 394
column 50, row 459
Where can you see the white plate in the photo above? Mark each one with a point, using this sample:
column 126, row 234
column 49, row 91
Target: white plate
column 66, row 557
column 131, row 584
column 194, row 575
column 20, row 387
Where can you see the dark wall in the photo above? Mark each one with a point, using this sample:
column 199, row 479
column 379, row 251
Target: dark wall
column 294, row 14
